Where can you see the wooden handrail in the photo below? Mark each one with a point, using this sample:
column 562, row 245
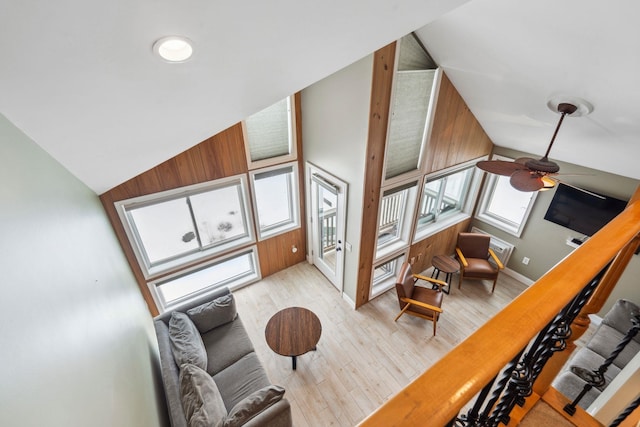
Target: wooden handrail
column 438, row 394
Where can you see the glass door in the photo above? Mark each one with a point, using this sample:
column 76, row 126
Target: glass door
column 327, row 219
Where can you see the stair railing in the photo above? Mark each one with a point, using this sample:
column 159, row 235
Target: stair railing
column 501, row 360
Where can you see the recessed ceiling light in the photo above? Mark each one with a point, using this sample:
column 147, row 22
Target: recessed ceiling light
column 173, row 48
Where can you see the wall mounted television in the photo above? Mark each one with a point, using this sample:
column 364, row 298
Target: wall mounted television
column 582, row 212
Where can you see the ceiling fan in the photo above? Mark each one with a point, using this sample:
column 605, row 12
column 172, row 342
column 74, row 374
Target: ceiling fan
column 527, row 174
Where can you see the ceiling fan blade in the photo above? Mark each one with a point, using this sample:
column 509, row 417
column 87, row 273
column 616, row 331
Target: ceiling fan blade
column 524, row 180
column 500, row 167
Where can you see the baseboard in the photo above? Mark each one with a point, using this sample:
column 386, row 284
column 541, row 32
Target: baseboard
column 349, row 301
column 519, row 277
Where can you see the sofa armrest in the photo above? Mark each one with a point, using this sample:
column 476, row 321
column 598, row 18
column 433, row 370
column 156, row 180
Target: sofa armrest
column 170, row 376
column 276, row 415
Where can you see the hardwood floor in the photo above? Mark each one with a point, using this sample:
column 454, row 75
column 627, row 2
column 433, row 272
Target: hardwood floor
column 363, row 356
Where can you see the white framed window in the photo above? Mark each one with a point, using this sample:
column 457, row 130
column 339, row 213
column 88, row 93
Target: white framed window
column 270, row 135
column 502, row 206
column 233, row 270
column 447, row 198
column 276, row 199
column 178, row 227
column 385, row 274
column 397, row 206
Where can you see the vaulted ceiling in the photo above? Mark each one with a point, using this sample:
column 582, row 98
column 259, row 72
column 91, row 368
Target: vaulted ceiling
column 80, row 78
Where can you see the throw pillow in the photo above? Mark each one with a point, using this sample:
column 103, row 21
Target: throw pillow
column 186, row 342
column 201, row 400
column 213, row 313
column 252, row 405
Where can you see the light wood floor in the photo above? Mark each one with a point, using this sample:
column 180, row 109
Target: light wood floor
column 363, row 356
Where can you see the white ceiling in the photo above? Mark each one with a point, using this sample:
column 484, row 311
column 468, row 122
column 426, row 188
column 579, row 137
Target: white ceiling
column 80, row 79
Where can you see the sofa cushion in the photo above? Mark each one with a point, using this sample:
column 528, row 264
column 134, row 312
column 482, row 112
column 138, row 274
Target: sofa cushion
column 225, row 345
column 591, row 361
column 213, row 313
column 186, row 343
column 252, row 405
column 605, row 340
column 201, row 400
column 619, row 316
column 241, row 379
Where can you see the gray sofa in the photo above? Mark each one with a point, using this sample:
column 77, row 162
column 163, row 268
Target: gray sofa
column 208, row 336
column 609, row 333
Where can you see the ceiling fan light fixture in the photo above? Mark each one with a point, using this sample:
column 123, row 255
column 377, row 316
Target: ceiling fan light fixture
column 547, row 183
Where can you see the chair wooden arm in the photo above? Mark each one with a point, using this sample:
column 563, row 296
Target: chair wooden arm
column 421, row 304
column 440, row 283
column 462, row 258
column 495, row 258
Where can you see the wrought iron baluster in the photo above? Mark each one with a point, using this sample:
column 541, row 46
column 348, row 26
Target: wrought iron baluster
column 551, row 339
column 624, row 414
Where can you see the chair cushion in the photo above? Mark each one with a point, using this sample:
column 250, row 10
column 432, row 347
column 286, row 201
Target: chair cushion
column 474, row 245
column 427, row 296
column 480, row 268
column 186, row 343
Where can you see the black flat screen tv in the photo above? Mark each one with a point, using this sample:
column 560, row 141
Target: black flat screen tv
column 582, row 212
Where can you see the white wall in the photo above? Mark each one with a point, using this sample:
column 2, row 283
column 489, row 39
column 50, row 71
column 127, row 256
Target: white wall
column 335, row 122
column 77, row 339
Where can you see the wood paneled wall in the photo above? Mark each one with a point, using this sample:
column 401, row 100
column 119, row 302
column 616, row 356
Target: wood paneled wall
column 443, row 243
column 456, row 137
column 217, row 157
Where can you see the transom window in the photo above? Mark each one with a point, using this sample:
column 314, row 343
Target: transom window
column 237, row 268
column 180, row 226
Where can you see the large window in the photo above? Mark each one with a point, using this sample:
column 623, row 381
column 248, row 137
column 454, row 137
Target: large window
column 503, row 206
column 235, row 269
column 180, row 226
column 270, row 135
column 446, row 199
column 394, row 218
column 275, row 192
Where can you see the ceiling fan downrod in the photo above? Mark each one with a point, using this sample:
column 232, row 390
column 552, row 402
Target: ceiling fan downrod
column 564, row 108
column 544, row 165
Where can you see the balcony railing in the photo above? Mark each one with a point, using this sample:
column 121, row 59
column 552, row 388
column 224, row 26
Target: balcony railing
column 518, row 341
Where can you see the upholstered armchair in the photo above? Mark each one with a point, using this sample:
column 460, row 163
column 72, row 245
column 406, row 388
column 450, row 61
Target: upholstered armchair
column 416, row 300
column 474, row 253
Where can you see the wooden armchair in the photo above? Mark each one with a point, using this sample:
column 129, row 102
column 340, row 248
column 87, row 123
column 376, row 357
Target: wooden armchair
column 473, row 251
column 418, row 300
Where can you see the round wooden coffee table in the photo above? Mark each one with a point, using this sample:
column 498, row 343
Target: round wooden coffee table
column 447, row 265
column 293, row 332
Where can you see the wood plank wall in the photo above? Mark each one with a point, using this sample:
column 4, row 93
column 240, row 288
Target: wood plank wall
column 456, row 137
column 217, row 157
